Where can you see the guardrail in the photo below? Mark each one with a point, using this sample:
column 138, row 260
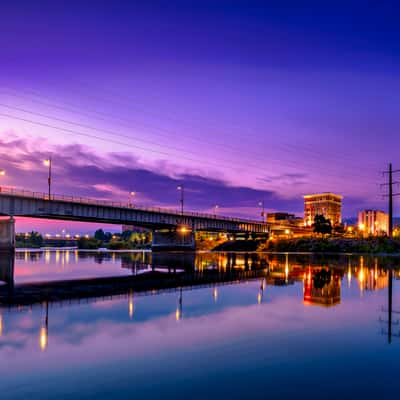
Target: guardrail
column 96, row 202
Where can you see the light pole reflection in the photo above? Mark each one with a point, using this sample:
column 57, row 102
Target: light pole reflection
column 260, row 294
column 131, row 307
column 215, row 294
column 44, row 330
column 178, row 312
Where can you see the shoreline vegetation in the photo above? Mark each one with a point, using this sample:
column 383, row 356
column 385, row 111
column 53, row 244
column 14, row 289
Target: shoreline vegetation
column 142, row 241
column 370, row 245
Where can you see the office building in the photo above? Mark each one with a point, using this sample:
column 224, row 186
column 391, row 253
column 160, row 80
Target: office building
column 373, row 222
column 327, row 204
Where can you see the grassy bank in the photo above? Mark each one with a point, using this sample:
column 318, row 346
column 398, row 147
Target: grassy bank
column 374, row 245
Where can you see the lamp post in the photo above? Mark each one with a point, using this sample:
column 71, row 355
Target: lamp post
column 181, row 188
column 131, row 196
column 47, row 163
column 2, row 173
column 262, row 205
column 215, row 210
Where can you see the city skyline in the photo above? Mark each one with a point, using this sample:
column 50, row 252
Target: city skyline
column 267, row 112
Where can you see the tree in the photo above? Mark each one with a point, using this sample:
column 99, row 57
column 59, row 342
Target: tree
column 36, row 239
column 99, row 235
column 322, row 278
column 322, row 225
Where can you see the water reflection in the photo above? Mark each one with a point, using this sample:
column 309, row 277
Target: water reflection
column 244, row 314
column 320, row 278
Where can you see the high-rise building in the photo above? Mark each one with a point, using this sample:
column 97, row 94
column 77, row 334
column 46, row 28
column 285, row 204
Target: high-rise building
column 327, row 204
column 373, row 222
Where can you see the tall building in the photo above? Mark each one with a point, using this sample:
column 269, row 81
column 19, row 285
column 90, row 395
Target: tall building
column 327, row 204
column 373, row 222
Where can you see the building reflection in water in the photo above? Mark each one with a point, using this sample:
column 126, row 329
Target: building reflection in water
column 322, row 287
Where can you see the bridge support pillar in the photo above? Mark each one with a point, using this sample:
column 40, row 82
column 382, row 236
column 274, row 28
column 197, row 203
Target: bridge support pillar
column 7, row 269
column 170, row 240
column 7, row 235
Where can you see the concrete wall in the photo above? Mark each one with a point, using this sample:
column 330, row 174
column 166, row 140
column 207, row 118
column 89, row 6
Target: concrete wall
column 7, row 234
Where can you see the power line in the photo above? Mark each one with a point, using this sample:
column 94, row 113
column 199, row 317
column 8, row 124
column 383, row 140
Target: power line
column 107, row 131
column 78, row 133
column 310, row 153
column 125, row 98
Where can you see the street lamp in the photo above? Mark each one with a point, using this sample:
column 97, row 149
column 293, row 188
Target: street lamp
column 131, row 196
column 47, row 163
column 215, row 210
column 182, row 190
column 262, row 205
column 2, row 172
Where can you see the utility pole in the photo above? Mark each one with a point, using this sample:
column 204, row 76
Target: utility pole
column 390, row 183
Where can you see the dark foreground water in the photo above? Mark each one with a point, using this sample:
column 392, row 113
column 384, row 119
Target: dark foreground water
column 307, row 327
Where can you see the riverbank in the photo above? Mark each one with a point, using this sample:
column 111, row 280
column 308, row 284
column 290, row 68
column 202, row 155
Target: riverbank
column 373, row 245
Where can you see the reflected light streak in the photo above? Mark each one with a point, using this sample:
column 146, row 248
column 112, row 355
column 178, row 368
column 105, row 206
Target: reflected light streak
column 1, row 325
column 47, row 256
column 67, row 257
column 215, row 294
column 131, row 307
column 349, row 276
column 43, row 338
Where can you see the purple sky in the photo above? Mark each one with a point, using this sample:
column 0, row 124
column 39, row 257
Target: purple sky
column 241, row 102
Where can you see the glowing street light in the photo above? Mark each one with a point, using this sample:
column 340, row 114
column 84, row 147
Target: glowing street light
column 2, row 172
column 181, row 188
column 47, row 163
column 131, row 196
column 215, row 210
column 262, row 205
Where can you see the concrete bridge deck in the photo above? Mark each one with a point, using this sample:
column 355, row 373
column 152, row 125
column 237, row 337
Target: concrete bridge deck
column 14, row 202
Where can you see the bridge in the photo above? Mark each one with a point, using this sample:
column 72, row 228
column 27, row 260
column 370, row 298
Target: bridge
column 171, row 229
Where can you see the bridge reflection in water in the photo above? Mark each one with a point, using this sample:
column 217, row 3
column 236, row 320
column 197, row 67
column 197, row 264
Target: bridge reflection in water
column 154, row 273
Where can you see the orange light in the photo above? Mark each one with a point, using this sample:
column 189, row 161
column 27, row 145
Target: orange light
column 43, row 338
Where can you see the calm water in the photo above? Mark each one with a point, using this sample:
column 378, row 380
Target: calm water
column 308, row 327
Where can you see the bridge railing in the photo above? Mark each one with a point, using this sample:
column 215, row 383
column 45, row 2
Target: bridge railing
column 118, row 204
